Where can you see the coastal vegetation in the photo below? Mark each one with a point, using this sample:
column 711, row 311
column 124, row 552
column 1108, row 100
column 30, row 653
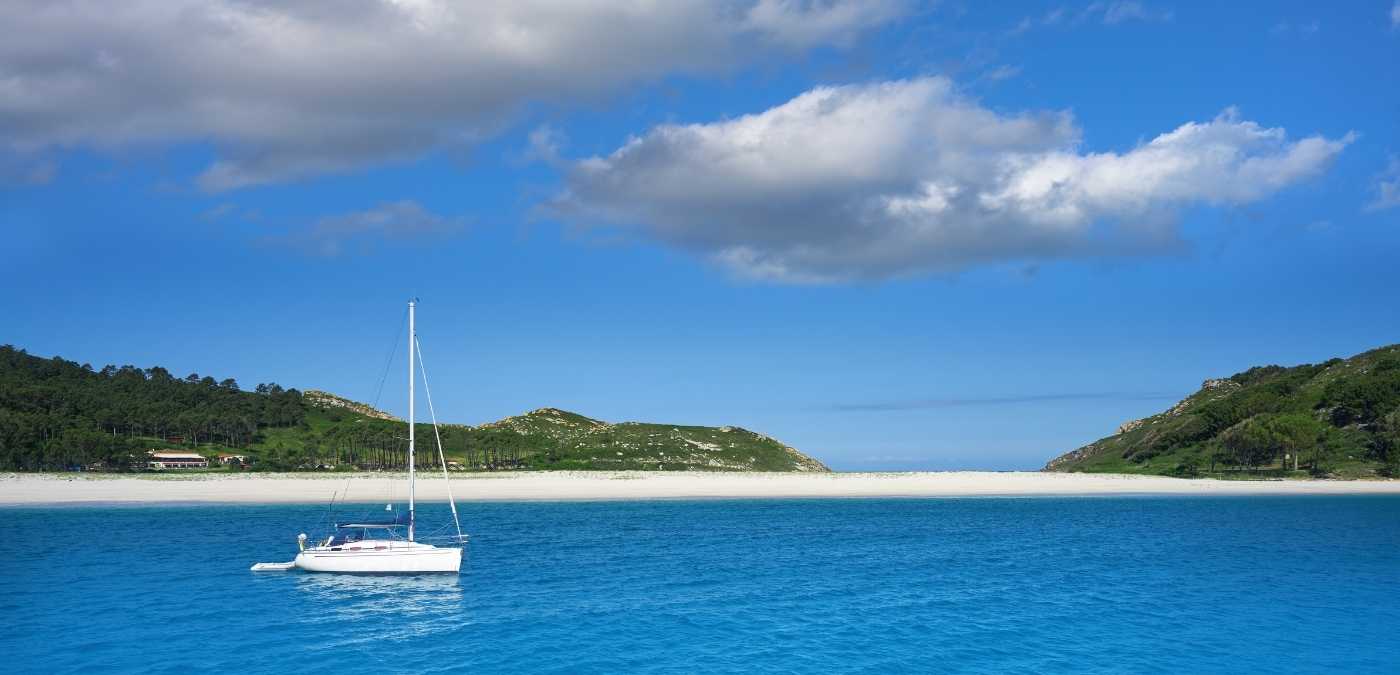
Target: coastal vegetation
column 58, row 415
column 1340, row 418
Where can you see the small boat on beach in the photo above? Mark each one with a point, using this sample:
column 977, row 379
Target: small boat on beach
column 374, row 545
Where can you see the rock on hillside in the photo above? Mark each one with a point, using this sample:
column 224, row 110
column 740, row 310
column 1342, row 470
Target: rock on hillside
column 324, row 399
column 551, row 422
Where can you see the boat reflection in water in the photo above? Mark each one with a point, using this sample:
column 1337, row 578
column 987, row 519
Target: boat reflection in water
column 435, row 603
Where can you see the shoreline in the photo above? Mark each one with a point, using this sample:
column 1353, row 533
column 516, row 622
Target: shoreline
column 300, row 488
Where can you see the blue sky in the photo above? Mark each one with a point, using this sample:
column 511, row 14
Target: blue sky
column 894, row 235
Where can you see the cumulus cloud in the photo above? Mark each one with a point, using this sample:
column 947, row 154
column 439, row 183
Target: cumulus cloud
column 803, row 23
column 1387, row 187
column 908, row 177
column 400, row 221
column 291, row 88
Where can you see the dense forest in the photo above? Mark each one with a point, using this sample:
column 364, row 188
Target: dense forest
column 1340, row 418
column 57, row 415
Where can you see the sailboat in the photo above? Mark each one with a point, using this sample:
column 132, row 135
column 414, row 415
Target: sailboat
column 374, row 546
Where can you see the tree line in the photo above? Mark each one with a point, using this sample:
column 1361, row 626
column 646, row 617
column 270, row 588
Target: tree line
column 1282, row 416
column 347, row 440
column 57, row 414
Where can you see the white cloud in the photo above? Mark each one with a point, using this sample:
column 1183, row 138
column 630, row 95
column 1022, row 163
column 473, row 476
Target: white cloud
column 804, row 23
column 1118, row 12
column 1106, row 13
column 291, row 88
column 400, row 221
column 1395, row 15
column 1002, row 72
column 1304, row 29
column 909, row 177
column 1387, row 187
column 543, row 145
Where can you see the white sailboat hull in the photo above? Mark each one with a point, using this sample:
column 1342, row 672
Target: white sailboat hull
column 399, row 559
column 352, row 551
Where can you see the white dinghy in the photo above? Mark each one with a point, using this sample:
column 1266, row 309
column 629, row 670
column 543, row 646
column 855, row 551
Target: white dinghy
column 373, row 546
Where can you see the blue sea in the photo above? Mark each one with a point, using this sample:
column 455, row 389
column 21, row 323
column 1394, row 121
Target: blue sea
column 1108, row 585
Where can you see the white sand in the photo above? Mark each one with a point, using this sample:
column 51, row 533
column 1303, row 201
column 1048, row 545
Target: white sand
column 318, row 488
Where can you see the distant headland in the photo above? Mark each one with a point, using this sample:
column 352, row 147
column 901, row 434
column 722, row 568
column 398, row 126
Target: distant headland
column 1336, row 419
column 58, row 415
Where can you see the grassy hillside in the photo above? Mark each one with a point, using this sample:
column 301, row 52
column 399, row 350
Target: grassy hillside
column 57, row 414
column 572, row 441
column 544, row 439
column 1338, row 419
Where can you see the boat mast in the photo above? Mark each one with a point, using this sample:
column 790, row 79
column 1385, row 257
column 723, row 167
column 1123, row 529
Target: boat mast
column 412, row 340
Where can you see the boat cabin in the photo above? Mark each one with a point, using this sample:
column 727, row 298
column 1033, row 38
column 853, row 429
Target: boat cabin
column 366, row 534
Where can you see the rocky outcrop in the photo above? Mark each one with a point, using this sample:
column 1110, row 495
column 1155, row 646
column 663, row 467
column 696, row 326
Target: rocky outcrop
column 325, row 399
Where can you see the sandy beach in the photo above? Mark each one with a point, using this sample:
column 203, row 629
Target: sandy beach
column 20, row 489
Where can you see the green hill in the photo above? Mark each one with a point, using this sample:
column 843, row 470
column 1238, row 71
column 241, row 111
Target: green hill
column 1337, row 419
column 57, row 414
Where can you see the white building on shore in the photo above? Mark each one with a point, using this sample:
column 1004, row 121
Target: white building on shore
column 176, row 460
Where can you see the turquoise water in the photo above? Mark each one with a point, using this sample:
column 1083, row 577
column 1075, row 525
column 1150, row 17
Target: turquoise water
column 969, row 585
